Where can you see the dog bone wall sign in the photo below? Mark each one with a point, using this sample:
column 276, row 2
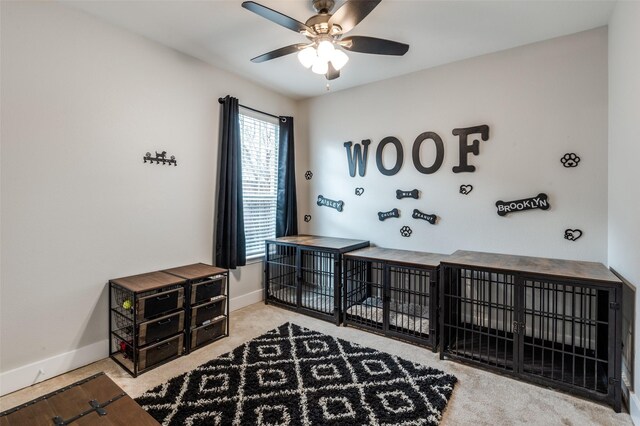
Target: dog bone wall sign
column 382, row 216
column 400, row 194
column 540, row 201
column 334, row 204
column 431, row 218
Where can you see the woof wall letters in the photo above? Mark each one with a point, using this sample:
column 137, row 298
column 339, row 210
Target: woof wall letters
column 358, row 155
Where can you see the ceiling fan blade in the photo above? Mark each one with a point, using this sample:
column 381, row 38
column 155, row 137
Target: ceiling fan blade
column 287, row 50
column 333, row 73
column 276, row 17
column 378, row 46
column 352, row 12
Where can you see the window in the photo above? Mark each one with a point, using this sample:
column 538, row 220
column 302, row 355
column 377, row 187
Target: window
column 259, row 141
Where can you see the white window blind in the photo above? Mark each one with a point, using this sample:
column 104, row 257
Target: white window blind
column 259, row 141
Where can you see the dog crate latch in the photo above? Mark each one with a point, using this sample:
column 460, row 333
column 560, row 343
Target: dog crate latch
column 518, row 327
column 613, row 381
column 614, row 305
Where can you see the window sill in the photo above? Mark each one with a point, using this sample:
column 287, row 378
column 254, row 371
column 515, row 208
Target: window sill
column 255, row 259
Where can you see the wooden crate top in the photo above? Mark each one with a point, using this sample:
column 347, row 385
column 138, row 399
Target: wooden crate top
column 148, row 281
column 403, row 257
column 73, row 400
column 315, row 241
column 569, row 269
column 195, row 271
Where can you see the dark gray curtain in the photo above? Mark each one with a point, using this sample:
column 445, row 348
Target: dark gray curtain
column 286, row 210
column 230, row 237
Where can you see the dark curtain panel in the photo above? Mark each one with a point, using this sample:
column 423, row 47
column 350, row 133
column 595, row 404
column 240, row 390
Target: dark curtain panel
column 286, row 211
column 230, row 238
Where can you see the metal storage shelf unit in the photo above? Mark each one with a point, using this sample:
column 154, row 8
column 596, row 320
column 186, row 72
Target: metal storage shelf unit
column 207, row 306
column 146, row 320
column 552, row 322
column 393, row 292
column 303, row 273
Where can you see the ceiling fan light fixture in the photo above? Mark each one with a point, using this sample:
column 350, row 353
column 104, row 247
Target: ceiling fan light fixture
column 326, row 49
column 323, row 52
column 307, row 56
column 339, row 59
column 320, row 66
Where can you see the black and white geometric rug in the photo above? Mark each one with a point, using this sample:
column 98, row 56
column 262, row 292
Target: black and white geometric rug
column 295, row 376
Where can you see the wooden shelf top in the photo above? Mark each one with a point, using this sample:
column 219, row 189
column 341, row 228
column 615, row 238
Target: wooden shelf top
column 315, row 241
column 569, row 269
column 195, row 271
column 148, row 281
column 404, row 257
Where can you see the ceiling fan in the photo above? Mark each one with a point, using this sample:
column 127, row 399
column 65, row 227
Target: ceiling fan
column 323, row 52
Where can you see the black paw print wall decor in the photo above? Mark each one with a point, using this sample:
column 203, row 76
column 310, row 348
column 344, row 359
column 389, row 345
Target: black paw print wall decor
column 308, row 175
column 466, row 189
column 359, row 191
column 570, row 160
column 307, row 218
column 160, row 157
column 405, row 231
column 572, row 234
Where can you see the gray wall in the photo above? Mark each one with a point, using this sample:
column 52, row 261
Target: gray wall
column 624, row 152
column 82, row 102
column 540, row 102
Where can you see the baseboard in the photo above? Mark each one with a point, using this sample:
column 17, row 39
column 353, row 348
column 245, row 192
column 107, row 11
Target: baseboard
column 240, row 302
column 634, row 408
column 38, row 371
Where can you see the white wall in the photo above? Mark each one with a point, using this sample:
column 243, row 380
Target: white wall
column 82, row 102
column 540, row 102
column 624, row 152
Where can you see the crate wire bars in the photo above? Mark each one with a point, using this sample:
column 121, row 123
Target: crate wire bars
column 304, row 273
column 553, row 331
column 393, row 292
column 551, row 322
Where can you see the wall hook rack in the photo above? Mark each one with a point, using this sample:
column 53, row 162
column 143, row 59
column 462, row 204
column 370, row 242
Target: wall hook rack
column 160, row 157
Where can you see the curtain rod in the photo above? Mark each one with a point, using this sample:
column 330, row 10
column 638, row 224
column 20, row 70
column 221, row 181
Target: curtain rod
column 221, row 100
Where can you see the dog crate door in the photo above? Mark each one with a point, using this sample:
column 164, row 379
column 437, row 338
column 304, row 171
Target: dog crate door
column 319, row 271
column 566, row 333
column 479, row 316
column 281, row 281
column 409, row 294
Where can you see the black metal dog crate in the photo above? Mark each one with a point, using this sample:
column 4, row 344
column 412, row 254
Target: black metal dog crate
column 552, row 322
column 393, row 292
column 303, row 273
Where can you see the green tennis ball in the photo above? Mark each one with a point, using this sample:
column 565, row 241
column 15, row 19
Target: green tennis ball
column 127, row 304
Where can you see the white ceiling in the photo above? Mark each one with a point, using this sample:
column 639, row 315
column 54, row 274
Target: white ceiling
column 224, row 34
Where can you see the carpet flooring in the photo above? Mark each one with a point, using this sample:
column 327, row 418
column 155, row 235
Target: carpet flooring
column 295, row 376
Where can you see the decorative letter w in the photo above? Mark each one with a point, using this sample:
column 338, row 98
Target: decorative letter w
column 357, row 156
